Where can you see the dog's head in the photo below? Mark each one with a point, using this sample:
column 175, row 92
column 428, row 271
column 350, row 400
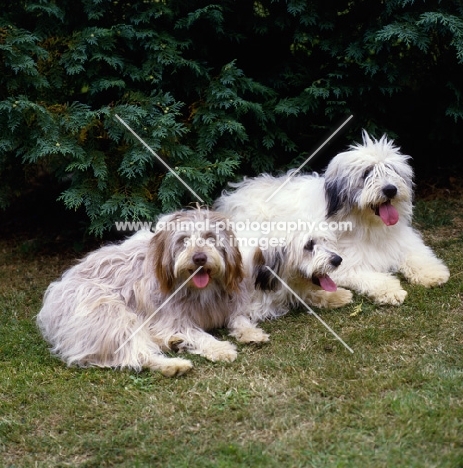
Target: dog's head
column 198, row 241
column 304, row 257
column 373, row 179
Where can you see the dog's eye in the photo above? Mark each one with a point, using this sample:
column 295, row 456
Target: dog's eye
column 367, row 173
column 309, row 246
column 183, row 240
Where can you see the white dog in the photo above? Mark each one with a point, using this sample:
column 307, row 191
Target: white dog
column 295, row 247
column 124, row 304
column 366, row 202
column 371, row 186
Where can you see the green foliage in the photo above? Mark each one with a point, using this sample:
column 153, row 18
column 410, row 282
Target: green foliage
column 215, row 89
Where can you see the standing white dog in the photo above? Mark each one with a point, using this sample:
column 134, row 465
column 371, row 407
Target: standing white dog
column 124, row 304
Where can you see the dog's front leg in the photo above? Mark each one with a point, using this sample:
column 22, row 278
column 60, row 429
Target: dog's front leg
column 383, row 288
column 421, row 266
column 197, row 341
column 329, row 300
column 245, row 331
column 170, row 367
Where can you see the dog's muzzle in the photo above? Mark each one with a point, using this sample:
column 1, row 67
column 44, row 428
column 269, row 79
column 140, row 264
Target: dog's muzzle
column 390, row 191
column 386, row 211
column 202, row 277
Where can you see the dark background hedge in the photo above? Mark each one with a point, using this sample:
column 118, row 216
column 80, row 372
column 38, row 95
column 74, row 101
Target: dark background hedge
column 218, row 90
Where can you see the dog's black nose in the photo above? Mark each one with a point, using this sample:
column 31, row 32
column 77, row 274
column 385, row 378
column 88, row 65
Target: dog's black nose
column 336, row 260
column 199, row 258
column 390, row 191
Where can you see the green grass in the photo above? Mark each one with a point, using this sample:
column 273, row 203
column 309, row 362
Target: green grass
column 301, row 400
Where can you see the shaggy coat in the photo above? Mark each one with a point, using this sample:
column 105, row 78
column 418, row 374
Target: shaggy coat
column 371, row 186
column 365, row 199
column 124, row 304
column 305, row 256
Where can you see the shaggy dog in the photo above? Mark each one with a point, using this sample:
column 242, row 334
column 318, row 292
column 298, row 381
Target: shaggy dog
column 305, row 268
column 123, row 305
column 365, row 198
column 295, row 247
column 371, row 186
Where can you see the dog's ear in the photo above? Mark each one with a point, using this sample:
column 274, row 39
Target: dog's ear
column 163, row 262
column 334, row 196
column 234, row 270
column 264, row 278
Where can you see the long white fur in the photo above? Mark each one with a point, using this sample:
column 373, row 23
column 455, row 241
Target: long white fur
column 352, row 184
column 373, row 251
column 100, row 302
column 292, row 262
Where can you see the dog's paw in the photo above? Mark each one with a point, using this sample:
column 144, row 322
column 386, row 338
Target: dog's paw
column 427, row 271
column 382, row 288
column 339, row 298
column 175, row 343
column 250, row 335
column 435, row 276
column 174, row 367
column 390, row 297
column 221, row 351
column 330, row 300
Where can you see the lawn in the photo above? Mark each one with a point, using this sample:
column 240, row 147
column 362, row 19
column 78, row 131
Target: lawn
column 302, row 400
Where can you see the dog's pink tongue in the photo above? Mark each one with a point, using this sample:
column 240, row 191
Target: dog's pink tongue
column 327, row 283
column 388, row 214
column 201, row 279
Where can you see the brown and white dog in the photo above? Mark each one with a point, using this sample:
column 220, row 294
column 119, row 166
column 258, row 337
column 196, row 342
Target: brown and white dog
column 124, row 304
